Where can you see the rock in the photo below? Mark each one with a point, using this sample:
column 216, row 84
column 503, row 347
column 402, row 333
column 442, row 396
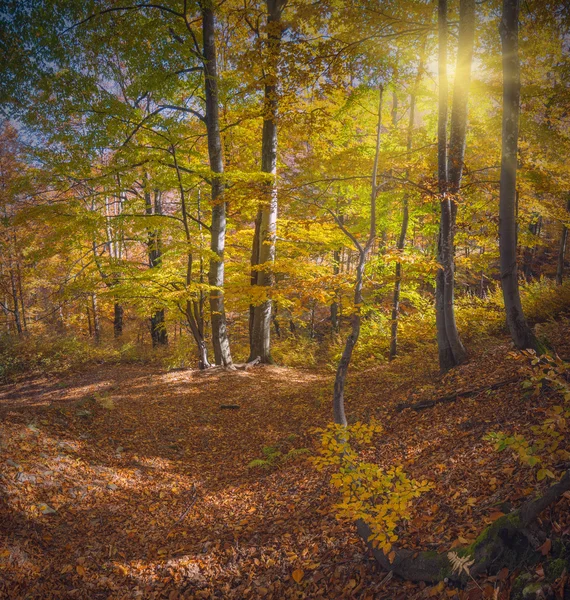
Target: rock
column 45, row 509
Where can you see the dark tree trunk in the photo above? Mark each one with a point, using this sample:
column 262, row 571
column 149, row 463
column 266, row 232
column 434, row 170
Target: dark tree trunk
column 451, row 350
column 275, row 321
column 533, row 228
column 518, row 326
column 562, row 250
column 21, row 294
column 261, row 326
column 96, row 322
column 15, row 302
column 158, row 332
column 220, row 338
column 118, row 320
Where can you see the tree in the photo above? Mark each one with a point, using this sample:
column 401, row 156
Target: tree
column 220, row 339
column 562, row 249
column 450, row 169
column 263, row 251
column 363, row 250
column 509, row 29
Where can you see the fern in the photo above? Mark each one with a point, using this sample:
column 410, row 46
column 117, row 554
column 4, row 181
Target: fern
column 460, row 564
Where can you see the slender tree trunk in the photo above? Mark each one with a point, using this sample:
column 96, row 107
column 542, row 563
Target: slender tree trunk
column 193, row 311
column 518, row 326
column 21, row 294
column 334, row 305
column 253, row 277
column 220, row 339
column 363, row 251
column 451, row 350
column 261, row 327
column 118, row 320
column 89, row 326
column 15, row 302
column 96, row 322
column 562, row 250
column 528, row 254
column 158, row 333
column 405, row 217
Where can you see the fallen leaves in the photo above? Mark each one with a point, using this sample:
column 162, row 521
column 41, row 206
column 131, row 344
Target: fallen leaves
column 120, row 485
column 297, row 575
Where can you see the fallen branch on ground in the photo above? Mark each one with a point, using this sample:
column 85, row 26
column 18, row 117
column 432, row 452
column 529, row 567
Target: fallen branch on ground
column 423, row 404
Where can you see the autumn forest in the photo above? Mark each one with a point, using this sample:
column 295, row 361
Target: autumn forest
column 284, row 299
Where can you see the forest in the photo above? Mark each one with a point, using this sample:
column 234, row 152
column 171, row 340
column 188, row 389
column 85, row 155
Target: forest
column 285, row 299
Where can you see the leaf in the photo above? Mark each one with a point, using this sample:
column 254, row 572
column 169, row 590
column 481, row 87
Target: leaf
column 80, row 570
column 297, row 575
column 545, row 548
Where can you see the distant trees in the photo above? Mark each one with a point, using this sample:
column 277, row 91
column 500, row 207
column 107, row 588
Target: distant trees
column 198, row 100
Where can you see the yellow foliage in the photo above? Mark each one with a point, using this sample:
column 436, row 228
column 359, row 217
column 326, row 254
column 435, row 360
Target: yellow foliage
column 381, row 498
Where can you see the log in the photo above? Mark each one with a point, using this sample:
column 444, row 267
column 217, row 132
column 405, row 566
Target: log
column 248, row 365
column 504, row 543
column 423, row 404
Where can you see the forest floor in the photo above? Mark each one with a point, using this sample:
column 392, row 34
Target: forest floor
column 131, row 482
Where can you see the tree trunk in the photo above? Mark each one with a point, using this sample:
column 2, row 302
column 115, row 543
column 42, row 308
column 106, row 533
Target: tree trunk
column 253, row 276
column 405, row 216
column 220, row 339
column 15, row 301
column 21, row 294
column 518, row 326
column 118, row 320
column 363, row 250
column 158, row 333
column 451, row 350
column 562, row 250
column 261, row 327
column 96, row 323
column 334, row 305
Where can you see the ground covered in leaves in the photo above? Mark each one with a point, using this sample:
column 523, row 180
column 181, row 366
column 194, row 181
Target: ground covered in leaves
column 134, row 482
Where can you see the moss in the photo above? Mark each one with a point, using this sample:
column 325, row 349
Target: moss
column 531, row 591
column 519, row 585
column 555, row 568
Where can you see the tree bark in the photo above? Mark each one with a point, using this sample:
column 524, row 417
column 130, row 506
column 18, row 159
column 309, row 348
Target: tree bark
column 158, row 332
column 118, row 320
column 451, row 350
column 261, row 327
column 562, row 250
column 193, row 309
column 220, row 339
column 363, row 251
column 334, row 306
column 96, row 322
column 520, row 331
column 15, row 301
